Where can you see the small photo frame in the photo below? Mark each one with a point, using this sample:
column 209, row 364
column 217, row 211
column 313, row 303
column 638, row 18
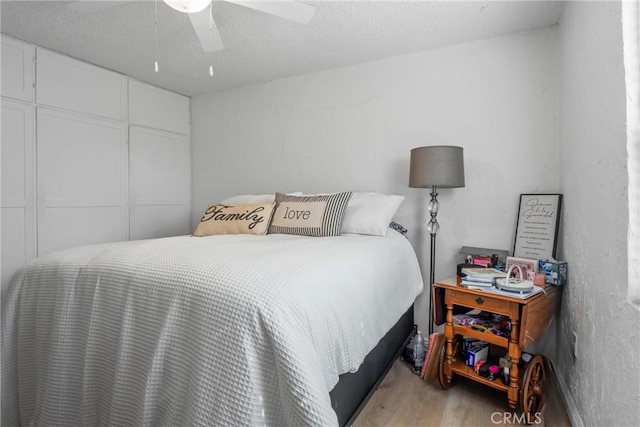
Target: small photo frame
column 529, row 267
column 537, row 226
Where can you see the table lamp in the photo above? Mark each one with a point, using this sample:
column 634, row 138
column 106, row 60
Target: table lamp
column 432, row 167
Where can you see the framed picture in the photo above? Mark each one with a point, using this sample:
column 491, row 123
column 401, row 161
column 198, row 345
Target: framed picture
column 528, row 266
column 537, row 226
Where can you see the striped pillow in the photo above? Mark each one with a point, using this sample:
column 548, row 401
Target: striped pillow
column 316, row 216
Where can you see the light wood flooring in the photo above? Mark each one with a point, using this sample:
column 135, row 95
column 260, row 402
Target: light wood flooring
column 403, row 399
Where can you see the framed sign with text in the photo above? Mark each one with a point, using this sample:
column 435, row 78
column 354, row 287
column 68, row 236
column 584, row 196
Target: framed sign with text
column 537, row 226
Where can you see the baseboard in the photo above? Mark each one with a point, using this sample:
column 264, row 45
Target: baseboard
column 569, row 404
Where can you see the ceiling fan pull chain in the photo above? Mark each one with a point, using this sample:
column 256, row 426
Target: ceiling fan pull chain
column 156, row 63
column 211, row 36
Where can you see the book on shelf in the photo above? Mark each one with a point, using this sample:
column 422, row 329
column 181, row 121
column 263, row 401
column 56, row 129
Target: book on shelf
column 488, row 280
column 476, row 284
column 430, row 366
column 485, row 274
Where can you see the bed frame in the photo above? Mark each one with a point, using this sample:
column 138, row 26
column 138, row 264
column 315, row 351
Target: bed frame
column 353, row 390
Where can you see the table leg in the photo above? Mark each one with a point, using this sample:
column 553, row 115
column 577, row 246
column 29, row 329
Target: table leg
column 514, row 355
column 448, row 333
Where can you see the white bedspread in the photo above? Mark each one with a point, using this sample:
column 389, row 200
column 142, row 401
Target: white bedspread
column 181, row 331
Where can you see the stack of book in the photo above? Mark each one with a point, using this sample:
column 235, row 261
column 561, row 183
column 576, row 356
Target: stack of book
column 480, row 277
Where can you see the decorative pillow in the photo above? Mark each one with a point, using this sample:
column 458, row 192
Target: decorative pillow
column 399, row 228
column 220, row 218
column 252, row 199
column 370, row 213
column 248, row 199
column 316, row 216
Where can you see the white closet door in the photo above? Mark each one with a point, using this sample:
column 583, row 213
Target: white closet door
column 82, row 180
column 160, row 182
column 18, row 187
column 158, row 108
column 77, row 86
column 17, row 70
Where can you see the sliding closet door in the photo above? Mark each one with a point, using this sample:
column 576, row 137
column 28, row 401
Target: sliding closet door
column 74, row 85
column 159, row 162
column 82, row 180
column 18, row 187
column 18, row 71
column 160, row 180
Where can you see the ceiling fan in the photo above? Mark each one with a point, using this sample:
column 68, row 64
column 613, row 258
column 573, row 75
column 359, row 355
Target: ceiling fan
column 202, row 21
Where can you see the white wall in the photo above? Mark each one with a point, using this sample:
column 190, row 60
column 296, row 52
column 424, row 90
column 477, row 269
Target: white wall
column 352, row 129
column 605, row 379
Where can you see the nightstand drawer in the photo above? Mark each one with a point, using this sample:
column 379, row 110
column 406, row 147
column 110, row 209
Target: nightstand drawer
column 481, row 301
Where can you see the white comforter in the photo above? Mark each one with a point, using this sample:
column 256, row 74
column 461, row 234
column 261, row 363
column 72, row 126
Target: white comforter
column 221, row 330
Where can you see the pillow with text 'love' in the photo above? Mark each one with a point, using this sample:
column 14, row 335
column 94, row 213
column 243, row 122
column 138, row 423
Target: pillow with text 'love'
column 316, row 216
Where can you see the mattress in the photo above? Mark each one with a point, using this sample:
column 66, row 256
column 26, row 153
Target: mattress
column 219, row 330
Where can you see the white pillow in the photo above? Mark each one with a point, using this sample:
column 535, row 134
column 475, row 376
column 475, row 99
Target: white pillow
column 370, row 213
column 245, row 199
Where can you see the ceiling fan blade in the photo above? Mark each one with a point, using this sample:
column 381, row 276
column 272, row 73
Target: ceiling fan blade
column 206, row 30
column 288, row 9
column 90, row 6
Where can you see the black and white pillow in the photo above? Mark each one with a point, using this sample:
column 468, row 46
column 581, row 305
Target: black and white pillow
column 399, row 228
column 316, row 216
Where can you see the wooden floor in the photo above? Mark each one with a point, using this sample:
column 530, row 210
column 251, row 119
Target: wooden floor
column 403, row 399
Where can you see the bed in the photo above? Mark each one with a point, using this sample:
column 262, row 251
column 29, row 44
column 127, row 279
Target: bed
column 219, row 330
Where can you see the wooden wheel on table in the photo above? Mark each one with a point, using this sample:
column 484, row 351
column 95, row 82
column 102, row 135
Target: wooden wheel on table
column 442, row 378
column 532, row 388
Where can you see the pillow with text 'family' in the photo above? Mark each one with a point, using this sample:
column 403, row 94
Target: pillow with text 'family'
column 316, row 216
column 235, row 219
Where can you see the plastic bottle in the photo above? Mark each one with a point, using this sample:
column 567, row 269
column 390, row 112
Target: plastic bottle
column 418, row 352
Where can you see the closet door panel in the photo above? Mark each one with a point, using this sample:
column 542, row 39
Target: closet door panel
column 18, row 187
column 82, row 180
column 159, row 221
column 16, row 248
column 18, row 70
column 81, row 158
column 159, row 166
column 73, row 85
column 160, row 183
column 157, row 108
column 17, row 151
column 68, row 227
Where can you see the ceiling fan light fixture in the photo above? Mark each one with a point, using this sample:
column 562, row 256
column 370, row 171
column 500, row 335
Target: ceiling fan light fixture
column 188, row 6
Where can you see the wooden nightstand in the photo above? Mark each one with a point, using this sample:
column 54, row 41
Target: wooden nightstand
column 529, row 317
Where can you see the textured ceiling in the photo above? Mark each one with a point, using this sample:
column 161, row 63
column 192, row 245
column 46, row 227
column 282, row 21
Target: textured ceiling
column 260, row 47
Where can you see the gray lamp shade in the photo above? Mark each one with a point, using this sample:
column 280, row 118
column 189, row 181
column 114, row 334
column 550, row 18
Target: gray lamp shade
column 437, row 165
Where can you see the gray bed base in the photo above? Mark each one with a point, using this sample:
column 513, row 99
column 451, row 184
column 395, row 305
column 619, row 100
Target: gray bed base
column 353, row 390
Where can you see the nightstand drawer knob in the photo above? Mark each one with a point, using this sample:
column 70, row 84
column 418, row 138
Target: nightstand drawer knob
column 479, row 300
